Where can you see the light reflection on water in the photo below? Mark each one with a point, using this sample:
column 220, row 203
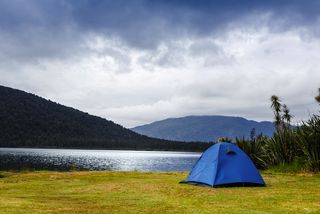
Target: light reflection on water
column 114, row 160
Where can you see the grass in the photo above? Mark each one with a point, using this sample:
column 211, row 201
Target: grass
column 141, row 192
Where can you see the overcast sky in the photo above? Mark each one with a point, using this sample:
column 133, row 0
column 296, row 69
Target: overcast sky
column 138, row 61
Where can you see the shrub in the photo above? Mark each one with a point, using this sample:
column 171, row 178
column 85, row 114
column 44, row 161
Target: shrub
column 282, row 147
column 254, row 148
column 309, row 142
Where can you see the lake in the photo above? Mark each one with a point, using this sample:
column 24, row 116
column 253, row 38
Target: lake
column 113, row 160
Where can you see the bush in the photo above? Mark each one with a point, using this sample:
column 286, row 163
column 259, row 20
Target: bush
column 282, row 147
column 254, row 148
column 309, row 142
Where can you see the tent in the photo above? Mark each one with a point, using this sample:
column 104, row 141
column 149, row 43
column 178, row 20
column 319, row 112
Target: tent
column 224, row 164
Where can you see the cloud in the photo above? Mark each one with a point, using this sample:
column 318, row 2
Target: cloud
column 140, row 23
column 139, row 61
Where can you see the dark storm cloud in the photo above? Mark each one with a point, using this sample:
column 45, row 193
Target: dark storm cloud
column 139, row 23
column 146, row 23
column 35, row 29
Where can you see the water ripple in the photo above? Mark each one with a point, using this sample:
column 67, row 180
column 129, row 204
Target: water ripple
column 113, row 160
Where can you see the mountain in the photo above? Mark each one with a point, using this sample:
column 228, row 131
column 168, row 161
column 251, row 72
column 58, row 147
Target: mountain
column 204, row 128
column 27, row 120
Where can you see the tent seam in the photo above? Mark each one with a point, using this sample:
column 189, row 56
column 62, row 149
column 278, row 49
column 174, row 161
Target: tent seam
column 217, row 165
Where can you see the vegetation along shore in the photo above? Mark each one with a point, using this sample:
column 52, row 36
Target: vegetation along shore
column 295, row 147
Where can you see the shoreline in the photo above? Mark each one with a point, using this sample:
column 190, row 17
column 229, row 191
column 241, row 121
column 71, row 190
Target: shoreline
column 110, row 149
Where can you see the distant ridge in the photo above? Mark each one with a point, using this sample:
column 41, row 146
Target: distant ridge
column 203, row 128
column 27, row 120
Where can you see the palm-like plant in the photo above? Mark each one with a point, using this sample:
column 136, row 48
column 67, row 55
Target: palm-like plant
column 287, row 117
column 281, row 148
column 276, row 107
column 309, row 141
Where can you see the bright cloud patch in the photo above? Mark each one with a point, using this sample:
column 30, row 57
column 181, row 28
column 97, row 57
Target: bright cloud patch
column 231, row 75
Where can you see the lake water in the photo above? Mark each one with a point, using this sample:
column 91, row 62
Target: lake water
column 114, row 160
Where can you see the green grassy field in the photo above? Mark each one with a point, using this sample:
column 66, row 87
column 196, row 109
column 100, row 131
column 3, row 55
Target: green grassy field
column 140, row 192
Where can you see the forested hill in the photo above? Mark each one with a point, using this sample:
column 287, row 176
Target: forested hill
column 204, row 128
column 27, row 120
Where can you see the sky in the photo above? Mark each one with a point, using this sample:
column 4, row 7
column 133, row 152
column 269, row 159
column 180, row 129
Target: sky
column 138, row 61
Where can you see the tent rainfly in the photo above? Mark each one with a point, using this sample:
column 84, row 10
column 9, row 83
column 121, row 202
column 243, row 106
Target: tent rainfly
column 224, row 164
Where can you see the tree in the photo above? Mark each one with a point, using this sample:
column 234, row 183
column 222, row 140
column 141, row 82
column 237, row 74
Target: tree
column 276, row 107
column 286, row 114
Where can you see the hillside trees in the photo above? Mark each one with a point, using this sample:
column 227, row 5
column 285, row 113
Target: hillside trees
column 27, row 120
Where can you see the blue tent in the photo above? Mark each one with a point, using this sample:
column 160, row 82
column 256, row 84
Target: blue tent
column 225, row 164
